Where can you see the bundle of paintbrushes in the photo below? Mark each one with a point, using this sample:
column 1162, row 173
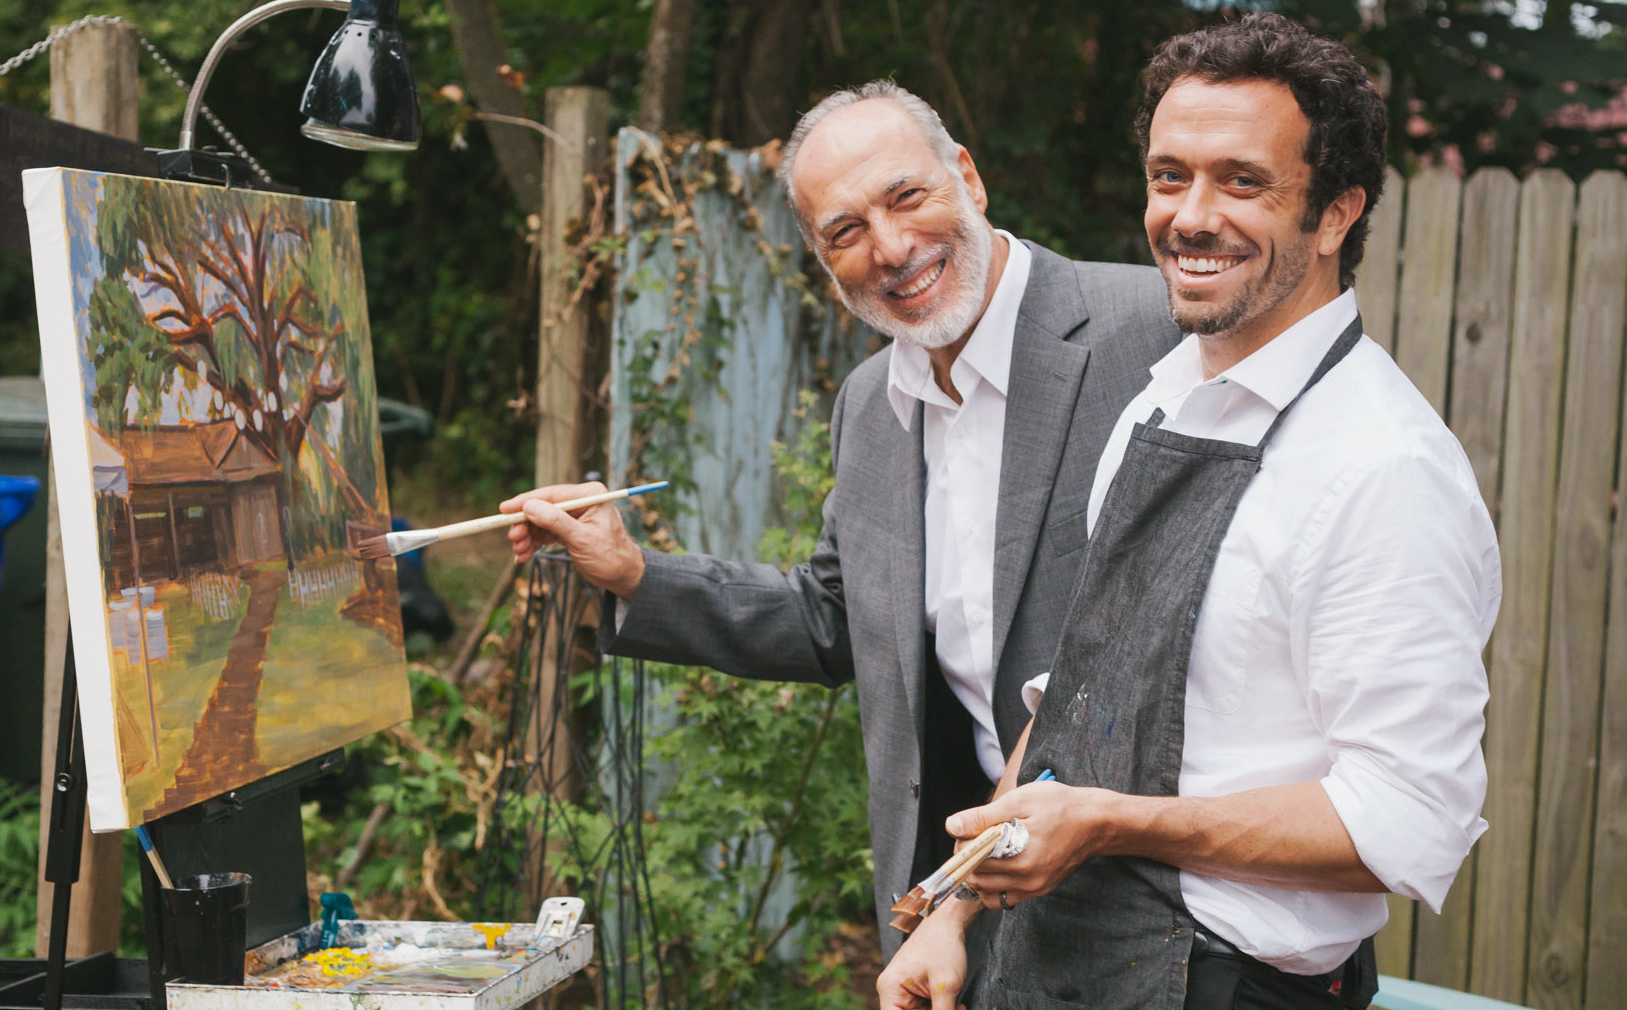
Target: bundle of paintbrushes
column 999, row 840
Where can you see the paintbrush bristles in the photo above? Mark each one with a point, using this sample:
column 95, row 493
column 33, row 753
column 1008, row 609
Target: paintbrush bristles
column 931, row 884
column 373, row 548
column 944, row 881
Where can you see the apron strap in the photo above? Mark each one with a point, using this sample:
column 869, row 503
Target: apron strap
column 1336, row 353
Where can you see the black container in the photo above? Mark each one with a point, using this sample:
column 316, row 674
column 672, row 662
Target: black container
column 208, row 925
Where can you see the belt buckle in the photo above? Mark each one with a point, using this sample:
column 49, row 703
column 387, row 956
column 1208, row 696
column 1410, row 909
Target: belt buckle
column 1208, row 945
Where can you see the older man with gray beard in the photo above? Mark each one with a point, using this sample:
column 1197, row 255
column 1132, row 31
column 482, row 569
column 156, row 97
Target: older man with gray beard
column 963, row 457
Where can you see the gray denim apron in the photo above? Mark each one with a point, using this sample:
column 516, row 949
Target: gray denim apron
column 1116, row 933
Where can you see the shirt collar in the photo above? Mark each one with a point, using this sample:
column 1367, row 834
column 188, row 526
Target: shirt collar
column 1275, row 372
column 986, row 356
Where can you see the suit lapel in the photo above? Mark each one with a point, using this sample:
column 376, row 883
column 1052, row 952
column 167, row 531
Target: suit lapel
column 909, row 556
column 1046, row 373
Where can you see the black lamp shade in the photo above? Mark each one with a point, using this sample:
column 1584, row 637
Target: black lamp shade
column 361, row 93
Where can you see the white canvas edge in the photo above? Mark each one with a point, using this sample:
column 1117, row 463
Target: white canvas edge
column 72, row 493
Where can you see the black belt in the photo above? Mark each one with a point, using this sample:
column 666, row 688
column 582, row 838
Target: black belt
column 1217, row 967
column 1206, row 944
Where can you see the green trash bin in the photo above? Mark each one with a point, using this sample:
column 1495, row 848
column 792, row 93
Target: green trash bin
column 22, row 593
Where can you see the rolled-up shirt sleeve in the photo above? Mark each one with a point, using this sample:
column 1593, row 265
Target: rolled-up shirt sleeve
column 1397, row 585
column 1034, row 690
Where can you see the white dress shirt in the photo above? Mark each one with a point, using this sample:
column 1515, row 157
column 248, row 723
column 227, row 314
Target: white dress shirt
column 962, row 445
column 1341, row 635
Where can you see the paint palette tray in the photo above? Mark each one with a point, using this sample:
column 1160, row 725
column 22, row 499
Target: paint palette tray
column 397, row 966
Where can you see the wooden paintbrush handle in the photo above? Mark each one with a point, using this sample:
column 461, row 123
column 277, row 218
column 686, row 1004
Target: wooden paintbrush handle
column 466, row 527
column 969, row 867
column 989, row 836
column 501, row 520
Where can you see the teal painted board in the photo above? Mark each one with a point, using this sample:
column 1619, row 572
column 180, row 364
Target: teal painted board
column 712, row 314
column 1404, row 994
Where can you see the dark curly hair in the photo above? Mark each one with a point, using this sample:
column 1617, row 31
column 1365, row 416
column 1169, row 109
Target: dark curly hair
column 1347, row 116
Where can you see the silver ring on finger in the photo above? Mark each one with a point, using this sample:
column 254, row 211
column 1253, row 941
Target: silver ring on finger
column 1004, row 904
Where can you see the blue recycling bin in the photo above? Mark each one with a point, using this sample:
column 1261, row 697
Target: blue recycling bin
column 17, row 496
column 22, row 592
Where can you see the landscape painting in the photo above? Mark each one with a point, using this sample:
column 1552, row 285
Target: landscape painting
column 214, row 430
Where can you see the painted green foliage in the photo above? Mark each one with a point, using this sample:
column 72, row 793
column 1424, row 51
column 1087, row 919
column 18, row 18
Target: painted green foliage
column 243, row 306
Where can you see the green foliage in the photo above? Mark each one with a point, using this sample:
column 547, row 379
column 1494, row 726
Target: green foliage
column 809, row 477
column 767, row 793
column 1485, row 85
column 772, row 784
column 19, row 866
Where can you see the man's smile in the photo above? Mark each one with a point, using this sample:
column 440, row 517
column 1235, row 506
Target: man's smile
column 1206, row 264
column 921, row 283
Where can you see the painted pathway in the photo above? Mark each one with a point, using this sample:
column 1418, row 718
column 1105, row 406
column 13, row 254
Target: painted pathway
column 223, row 741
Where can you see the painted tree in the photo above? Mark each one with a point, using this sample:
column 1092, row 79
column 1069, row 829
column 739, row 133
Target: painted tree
column 221, row 304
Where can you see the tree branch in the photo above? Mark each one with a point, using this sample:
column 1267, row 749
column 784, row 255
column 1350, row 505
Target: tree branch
column 481, row 50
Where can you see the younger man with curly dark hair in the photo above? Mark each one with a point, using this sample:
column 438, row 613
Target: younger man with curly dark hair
column 1266, row 708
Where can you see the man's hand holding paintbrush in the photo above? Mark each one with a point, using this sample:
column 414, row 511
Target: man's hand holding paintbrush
column 595, row 537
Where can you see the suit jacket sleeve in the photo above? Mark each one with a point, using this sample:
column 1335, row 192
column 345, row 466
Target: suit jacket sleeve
column 746, row 619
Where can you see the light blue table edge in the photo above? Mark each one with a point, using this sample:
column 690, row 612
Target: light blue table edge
column 1405, row 994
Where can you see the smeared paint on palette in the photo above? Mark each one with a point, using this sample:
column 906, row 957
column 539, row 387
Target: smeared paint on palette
column 397, row 966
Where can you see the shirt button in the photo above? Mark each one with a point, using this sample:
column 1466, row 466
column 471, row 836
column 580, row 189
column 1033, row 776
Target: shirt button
column 978, row 616
column 971, row 526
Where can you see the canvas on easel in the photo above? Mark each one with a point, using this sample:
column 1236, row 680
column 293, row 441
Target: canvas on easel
column 214, row 430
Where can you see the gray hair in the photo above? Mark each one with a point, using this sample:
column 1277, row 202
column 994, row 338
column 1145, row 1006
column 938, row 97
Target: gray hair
column 920, row 112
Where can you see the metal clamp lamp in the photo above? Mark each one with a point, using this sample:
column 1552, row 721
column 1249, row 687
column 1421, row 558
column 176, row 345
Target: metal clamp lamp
column 360, row 95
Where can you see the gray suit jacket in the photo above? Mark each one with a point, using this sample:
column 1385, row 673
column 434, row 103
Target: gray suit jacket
column 1086, row 333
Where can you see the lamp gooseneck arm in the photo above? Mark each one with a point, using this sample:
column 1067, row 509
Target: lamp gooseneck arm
column 194, row 98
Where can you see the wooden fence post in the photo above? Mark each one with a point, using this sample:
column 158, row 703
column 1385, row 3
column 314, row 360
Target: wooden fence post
column 93, row 85
column 580, row 118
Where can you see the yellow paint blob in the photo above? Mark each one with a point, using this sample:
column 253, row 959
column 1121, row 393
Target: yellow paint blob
column 340, row 961
column 491, row 931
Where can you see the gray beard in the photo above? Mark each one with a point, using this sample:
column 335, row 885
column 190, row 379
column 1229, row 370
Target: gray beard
column 971, row 252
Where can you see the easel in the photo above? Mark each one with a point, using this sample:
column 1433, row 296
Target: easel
column 254, row 829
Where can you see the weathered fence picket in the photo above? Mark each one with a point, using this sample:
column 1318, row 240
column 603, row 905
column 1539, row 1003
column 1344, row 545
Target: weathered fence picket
column 1607, row 918
column 1423, row 330
column 1530, row 466
column 1483, row 308
column 1377, row 278
column 1484, row 312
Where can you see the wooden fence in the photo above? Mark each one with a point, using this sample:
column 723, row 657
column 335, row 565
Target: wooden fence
column 1505, row 303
